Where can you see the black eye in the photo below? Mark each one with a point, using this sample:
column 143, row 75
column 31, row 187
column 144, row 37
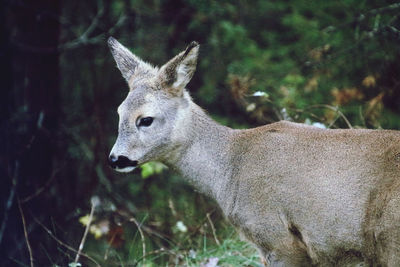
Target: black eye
column 147, row 121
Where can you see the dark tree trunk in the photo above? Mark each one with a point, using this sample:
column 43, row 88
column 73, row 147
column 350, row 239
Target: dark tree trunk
column 29, row 113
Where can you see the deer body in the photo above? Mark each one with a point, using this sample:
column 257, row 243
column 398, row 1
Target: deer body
column 303, row 195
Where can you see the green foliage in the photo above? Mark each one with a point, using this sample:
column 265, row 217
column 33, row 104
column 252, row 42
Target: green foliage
column 151, row 168
column 299, row 52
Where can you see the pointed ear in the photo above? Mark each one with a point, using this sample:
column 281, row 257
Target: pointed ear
column 177, row 73
column 127, row 63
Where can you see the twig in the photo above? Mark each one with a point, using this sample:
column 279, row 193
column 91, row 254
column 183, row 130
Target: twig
column 132, row 219
column 127, row 215
column 362, row 17
column 333, row 122
column 157, row 251
column 109, row 246
column 84, row 37
column 393, row 30
column 25, row 233
column 141, row 228
column 41, row 189
column 213, row 229
column 336, row 109
column 63, row 244
column 94, row 201
column 362, row 117
column 85, row 40
column 195, row 230
column 95, row 21
column 82, row 40
column 384, row 9
column 10, row 200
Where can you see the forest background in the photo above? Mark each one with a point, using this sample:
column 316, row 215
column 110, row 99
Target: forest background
column 332, row 64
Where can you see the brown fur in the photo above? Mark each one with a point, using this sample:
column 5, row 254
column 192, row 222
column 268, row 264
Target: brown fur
column 304, row 196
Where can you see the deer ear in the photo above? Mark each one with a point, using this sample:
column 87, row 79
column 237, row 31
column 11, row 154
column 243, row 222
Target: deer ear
column 127, row 63
column 178, row 72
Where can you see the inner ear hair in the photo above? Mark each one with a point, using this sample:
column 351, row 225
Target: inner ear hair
column 179, row 70
column 192, row 45
column 129, row 64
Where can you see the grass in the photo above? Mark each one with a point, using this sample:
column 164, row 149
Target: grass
column 232, row 252
column 199, row 250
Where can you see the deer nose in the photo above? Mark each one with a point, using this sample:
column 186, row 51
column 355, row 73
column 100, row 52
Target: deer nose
column 112, row 159
column 121, row 162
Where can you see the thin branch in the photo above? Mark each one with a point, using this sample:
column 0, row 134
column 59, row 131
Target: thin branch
column 393, row 30
column 333, row 121
column 25, row 233
column 336, row 109
column 132, row 219
column 10, row 200
column 383, row 9
column 84, row 37
column 95, row 21
column 82, row 40
column 109, row 246
column 193, row 232
column 362, row 117
column 94, row 202
column 20, row 263
column 362, row 17
column 121, row 20
column 157, row 251
column 213, row 229
column 128, row 215
column 63, row 244
column 41, row 189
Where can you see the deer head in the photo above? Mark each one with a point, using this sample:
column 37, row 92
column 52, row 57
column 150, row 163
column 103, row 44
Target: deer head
column 153, row 115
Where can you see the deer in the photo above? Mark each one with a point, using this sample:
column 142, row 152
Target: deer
column 304, row 196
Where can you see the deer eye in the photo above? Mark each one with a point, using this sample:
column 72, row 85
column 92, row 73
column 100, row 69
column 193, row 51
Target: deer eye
column 146, row 122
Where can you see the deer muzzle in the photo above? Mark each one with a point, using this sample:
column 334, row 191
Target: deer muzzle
column 121, row 162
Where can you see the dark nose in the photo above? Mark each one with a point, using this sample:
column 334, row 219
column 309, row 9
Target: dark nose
column 121, row 162
column 112, row 159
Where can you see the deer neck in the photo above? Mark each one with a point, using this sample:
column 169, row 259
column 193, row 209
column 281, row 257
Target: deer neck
column 203, row 158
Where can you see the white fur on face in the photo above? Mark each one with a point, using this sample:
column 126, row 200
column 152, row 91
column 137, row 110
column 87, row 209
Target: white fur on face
column 126, row 169
column 135, row 142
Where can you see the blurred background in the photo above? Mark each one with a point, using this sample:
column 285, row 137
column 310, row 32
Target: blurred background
column 334, row 64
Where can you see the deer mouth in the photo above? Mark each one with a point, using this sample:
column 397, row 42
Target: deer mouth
column 122, row 163
column 126, row 169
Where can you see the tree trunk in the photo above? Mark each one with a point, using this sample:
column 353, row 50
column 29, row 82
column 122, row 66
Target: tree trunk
column 31, row 109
